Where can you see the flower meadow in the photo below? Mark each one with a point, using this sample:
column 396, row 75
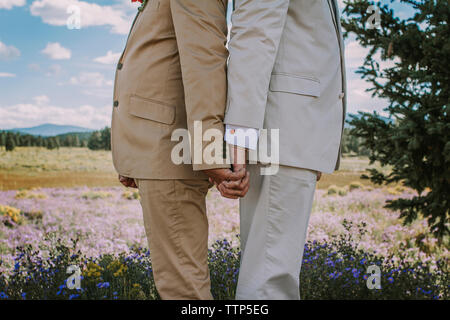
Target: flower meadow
column 100, row 230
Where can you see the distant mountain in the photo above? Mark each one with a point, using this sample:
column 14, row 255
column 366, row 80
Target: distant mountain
column 49, row 129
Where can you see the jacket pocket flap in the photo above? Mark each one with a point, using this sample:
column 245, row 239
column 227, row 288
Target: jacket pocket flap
column 295, row 84
column 151, row 110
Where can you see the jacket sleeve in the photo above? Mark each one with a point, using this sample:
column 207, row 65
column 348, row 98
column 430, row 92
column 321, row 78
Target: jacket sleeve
column 201, row 33
column 257, row 26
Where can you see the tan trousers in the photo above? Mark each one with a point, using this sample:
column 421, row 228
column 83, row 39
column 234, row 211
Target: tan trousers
column 274, row 221
column 177, row 232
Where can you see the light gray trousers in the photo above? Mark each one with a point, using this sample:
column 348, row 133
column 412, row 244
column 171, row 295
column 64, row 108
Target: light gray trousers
column 274, row 220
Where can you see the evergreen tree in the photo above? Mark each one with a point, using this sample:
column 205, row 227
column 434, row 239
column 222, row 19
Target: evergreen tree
column 76, row 141
column 28, row 141
column 51, row 144
column 106, row 138
column 10, row 143
column 100, row 140
column 17, row 139
column 94, row 142
column 57, row 142
column 2, row 139
column 68, row 142
column 417, row 143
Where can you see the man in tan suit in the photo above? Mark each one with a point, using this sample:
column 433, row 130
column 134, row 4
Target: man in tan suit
column 171, row 75
column 286, row 75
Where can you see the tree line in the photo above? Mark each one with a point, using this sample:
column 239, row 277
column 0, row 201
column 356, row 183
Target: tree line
column 101, row 140
column 9, row 140
column 352, row 144
column 97, row 140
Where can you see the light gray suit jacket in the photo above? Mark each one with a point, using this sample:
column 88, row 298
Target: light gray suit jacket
column 286, row 71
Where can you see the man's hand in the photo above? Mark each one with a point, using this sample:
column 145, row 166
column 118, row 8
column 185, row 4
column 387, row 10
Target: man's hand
column 319, row 175
column 234, row 189
column 219, row 176
column 238, row 157
column 127, row 182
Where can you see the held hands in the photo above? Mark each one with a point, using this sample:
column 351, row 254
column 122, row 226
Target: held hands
column 222, row 176
column 232, row 184
column 127, row 182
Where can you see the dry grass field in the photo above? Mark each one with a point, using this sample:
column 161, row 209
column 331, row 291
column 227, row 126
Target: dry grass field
column 32, row 167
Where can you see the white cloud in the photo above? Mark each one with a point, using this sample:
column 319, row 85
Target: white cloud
column 91, row 79
column 54, row 12
column 7, row 75
column 56, row 52
column 8, row 52
column 355, row 54
column 31, row 114
column 358, row 99
column 8, row 4
column 110, row 58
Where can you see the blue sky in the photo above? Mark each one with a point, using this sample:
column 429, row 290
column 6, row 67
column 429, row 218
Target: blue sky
column 51, row 74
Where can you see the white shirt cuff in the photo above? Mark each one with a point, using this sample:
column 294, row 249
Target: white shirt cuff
column 244, row 137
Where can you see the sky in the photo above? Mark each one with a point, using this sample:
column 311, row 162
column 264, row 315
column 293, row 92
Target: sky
column 50, row 73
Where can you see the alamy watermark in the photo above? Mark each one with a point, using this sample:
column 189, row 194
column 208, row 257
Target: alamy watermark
column 74, row 280
column 374, row 279
column 207, row 147
column 374, row 20
column 74, row 19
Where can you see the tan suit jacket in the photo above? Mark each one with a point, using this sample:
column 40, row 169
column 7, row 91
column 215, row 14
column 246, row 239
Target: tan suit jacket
column 172, row 72
column 286, row 71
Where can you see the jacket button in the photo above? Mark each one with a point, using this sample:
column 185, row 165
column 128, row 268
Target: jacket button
column 119, row 66
column 341, row 95
column 116, row 103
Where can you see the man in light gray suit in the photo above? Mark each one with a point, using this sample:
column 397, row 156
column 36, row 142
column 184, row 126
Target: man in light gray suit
column 286, row 71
